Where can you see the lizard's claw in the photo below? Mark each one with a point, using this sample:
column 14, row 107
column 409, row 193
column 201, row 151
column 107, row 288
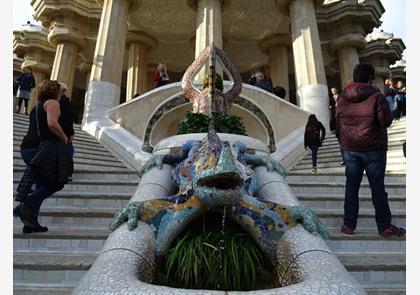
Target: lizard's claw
column 308, row 219
column 273, row 165
column 129, row 212
column 153, row 161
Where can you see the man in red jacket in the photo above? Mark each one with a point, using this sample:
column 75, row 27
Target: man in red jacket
column 363, row 115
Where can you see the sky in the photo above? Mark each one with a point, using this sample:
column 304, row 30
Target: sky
column 393, row 20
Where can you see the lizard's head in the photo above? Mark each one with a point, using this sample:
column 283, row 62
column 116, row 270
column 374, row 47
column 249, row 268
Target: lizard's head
column 214, row 172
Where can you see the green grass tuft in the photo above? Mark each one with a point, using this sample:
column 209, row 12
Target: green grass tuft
column 195, row 260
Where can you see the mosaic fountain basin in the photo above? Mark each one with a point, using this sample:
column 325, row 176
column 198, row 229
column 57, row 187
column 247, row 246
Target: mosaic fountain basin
column 127, row 261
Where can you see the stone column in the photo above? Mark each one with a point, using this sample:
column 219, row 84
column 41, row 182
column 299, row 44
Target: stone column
column 346, row 46
column 277, row 49
column 39, row 77
column 68, row 43
column 85, row 67
column 382, row 72
column 208, row 26
column 65, row 64
column 138, row 46
column 312, row 92
column 105, row 79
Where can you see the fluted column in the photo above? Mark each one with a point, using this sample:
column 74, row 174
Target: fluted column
column 68, row 43
column 208, row 25
column 381, row 73
column 65, row 64
column 347, row 46
column 276, row 47
column 138, row 46
column 312, row 92
column 39, row 77
column 105, row 78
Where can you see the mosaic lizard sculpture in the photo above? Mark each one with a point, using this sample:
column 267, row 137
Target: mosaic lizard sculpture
column 212, row 175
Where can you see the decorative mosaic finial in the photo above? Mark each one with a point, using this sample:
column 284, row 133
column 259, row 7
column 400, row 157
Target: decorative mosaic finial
column 202, row 100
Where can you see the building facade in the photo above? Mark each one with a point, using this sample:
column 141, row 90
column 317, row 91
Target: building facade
column 307, row 46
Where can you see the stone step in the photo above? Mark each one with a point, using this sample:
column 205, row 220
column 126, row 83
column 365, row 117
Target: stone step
column 81, row 156
column 65, row 239
column 24, row 120
column 20, row 129
column 101, row 217
column 392, row 131
column 364, row 241
column 339, row 188
column 337, row 159
column 102, row 168
column 333, row 218
column 373, row 262
column 96, row 186
column 81, row 151
column 393, row 169
column 80, row 137
column 329, row 164
column 391, row 140
column 336, row 153
column 78, row 216
column 394, row 204
column 397, row 290
column 77, row 144
column 41, row 289
column 338, row 177
column 93, row 203
column 18, row 162
column 393, row 146
column 118, row 175
column 25, row 124
column 98, row 150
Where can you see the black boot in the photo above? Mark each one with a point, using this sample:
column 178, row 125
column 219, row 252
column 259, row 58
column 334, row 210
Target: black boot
column 38, row 229
column 25, row 215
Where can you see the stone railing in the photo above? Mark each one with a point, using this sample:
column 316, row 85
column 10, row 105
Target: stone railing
column 154, row 116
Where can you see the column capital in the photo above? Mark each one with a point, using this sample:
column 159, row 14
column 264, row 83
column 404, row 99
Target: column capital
column 283, row 5
column 355, row 40
column 193, row 4
column 36, row 65
column 275, row 40
column 59, row 34
column 140, row 37
column 133, row 4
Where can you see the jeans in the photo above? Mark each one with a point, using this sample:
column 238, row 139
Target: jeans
column 374, row 162
column 314, row 149
column 27, row 156
column 43, row 189
column 26, row 101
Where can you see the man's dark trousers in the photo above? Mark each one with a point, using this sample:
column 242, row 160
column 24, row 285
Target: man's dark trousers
column 374, row 162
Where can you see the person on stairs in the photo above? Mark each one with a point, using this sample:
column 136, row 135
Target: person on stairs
column 363, row 116
column 50, row 166
column 26, row 82
column 66, row 118
column 314, row 136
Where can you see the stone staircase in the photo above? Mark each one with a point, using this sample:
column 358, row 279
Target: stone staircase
column 377, row 263
column 79, row 215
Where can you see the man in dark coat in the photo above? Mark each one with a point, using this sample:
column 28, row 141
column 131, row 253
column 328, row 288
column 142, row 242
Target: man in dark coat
column 363, row 115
